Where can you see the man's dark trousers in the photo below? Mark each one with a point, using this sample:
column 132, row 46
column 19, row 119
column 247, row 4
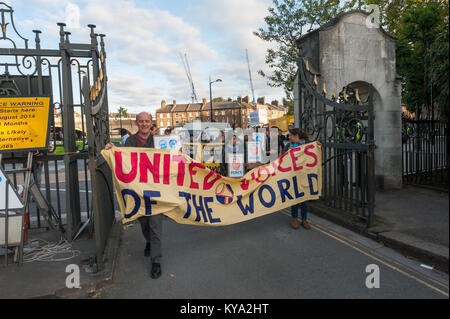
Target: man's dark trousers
column 151, row 225
column 152, row 230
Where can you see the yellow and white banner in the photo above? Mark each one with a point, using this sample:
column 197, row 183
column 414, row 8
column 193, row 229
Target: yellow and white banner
column 151, row 181
column 25, row 123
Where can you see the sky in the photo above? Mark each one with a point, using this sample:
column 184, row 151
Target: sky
column 144, row 41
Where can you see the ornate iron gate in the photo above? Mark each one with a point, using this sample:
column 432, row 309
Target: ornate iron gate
column 344, row 126
column 425, row 152
column 75, row 76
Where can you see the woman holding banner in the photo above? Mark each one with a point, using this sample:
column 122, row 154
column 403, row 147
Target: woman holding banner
column 298, row 137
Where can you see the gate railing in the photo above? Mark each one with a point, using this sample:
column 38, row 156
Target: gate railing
column 344, row 126
column 61, row 73
column 425, row 152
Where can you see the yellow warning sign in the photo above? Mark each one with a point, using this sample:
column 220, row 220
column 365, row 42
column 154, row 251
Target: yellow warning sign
column 24, row 123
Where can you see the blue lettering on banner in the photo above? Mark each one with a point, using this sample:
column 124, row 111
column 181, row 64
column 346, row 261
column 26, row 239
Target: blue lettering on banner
column 187, row 196
column 283, row 190
column 148, row 202
column 203, row 211
column 247, row 208
column 137, row 202
column 209, row 210
column 297, row 194
column 199, row 208
column 310, row 176
column 272, row 195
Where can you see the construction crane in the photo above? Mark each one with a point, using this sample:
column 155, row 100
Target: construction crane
column 187, row 69
column 250, row 75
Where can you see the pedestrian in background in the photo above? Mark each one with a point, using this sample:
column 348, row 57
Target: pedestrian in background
column 154, row 130
column 124, row 136
column 298, row 137
column 168, row 131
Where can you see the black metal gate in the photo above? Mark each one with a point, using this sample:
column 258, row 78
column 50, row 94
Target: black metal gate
column 75, row 76
column 344, row 126
column 425, row 152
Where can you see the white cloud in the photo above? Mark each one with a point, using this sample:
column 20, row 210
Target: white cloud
column 72, row 16
column 143, row 43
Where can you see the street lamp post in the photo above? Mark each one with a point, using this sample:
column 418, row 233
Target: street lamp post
column 210, row 95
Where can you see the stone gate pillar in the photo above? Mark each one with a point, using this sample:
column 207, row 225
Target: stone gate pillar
column 350, row 50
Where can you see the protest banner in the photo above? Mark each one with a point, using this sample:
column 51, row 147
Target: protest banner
column 260, row 137
column 283, row 122
column 150, row 182
column 236, row 165
column 170, row 142
column 254, row 153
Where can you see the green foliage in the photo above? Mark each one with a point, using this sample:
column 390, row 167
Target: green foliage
column 290, row 105
column 422, row 56
column 287, row 21
column 439, row 74
column 122, row 112
column 59, row 150
column 421, row 27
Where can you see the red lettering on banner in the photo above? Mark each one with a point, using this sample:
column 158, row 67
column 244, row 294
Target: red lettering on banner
column 311, row 154
column 294, row 158
column 282, row 169
column 181, row 168
column 166, row 171
column 192, row 172
column 274, row 166
column 145, row 165
column 129, row 177
column 208, row 184
column 260, row 169
column 244, row 184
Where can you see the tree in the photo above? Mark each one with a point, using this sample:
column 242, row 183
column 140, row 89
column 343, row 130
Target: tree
column 421, row 27
column 422, row 56
column 287, row 21
column 289, row 104
column 122, row 112
column 439, row 74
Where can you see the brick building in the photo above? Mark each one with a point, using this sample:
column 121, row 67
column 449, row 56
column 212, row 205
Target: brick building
column 237, row 111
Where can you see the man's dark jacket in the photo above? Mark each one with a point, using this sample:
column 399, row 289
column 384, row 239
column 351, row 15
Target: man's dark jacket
column 132, row 141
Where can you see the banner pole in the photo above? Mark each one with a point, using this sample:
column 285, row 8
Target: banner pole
column 6, row 221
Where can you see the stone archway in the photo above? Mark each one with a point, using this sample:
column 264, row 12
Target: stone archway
column 347, row 50
column 385, row 124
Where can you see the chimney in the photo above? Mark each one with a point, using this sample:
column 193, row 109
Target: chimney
column 245, row 99
column 163, row 104
column 275, row 102
column 174, row 103
column 239, row 99
column 204, row 101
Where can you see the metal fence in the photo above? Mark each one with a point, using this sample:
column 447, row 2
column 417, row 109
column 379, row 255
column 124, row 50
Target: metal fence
column 74, row 75
column 344, row 126
column 425, row 152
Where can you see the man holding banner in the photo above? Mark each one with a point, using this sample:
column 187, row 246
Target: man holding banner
column 151, row 225
column 153, row 182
